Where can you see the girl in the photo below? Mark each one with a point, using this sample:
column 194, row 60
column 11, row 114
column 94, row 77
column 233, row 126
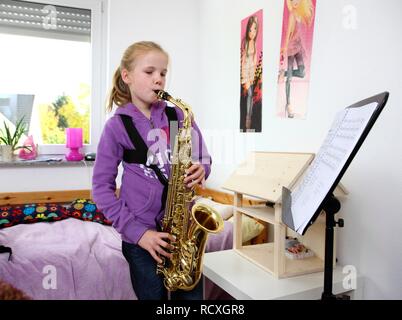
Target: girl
column 300, row 11
column 249, row 116
column 138, row 210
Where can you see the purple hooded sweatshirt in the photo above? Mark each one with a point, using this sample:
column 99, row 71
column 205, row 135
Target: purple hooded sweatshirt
column 138, row 206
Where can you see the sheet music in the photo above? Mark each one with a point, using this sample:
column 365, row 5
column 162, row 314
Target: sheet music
column 339, row 143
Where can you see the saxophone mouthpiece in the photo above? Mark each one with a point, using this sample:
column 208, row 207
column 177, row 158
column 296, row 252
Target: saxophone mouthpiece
column 162, row 94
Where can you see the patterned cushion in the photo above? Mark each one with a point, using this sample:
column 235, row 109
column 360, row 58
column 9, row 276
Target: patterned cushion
column 31, row 213
column 86, row 210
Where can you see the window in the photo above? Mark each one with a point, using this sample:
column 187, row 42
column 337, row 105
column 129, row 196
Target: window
column 51, row 65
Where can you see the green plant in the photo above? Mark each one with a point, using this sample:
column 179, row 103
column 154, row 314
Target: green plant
column 11, row 139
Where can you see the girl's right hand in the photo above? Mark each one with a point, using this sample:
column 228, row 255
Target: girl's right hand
column 153, row 242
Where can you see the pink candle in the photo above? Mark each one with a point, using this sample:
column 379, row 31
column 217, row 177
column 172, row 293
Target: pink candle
column 74, row 137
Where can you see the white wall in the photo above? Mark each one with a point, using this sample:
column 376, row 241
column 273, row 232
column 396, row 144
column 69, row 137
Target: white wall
column 347, row 66
column 51, row 178
column 172, row 24
column 203, row 39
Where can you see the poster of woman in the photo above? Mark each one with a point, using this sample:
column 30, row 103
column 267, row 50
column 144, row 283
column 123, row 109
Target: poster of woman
column 295, row 58
column 251, row 73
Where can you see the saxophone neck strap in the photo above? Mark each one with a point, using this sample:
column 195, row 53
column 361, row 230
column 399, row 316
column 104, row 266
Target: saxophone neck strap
column 139, row 154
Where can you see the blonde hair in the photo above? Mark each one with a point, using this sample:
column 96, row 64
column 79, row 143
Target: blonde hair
column 120, row 92
column 305, row 10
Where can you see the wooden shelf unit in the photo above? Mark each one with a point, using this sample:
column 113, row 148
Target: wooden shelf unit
column 262, row 176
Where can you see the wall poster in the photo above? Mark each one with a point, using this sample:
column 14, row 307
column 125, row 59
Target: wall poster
column 295, row 58
column 251, row 73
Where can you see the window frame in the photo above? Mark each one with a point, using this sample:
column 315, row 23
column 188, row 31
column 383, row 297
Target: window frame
column 98, row 67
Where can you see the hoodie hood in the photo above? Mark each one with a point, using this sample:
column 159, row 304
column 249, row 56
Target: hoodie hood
column 129, row 109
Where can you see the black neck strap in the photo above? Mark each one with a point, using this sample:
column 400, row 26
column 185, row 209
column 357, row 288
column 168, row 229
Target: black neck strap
column 140, row 153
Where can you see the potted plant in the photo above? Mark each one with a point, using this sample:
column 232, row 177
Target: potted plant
column 10, row 139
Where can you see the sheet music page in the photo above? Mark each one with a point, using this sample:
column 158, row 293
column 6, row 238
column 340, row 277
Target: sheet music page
column 339, row 143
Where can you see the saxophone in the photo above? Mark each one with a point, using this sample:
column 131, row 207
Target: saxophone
column 189, row 224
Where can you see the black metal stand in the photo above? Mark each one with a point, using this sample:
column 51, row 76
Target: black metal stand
column 331, row 206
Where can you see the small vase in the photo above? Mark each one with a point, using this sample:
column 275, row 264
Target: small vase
column 6, row 153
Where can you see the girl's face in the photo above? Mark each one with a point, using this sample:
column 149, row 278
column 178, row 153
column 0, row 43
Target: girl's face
column 295, row 3
column 148, row 73
column 253, row 31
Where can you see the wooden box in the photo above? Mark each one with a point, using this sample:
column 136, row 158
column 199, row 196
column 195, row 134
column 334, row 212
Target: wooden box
column 262, row 176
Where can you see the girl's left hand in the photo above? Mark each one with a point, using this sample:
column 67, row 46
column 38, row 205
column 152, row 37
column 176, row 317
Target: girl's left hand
column 195, row 175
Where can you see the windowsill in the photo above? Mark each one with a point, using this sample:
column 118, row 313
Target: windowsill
column 46, row 160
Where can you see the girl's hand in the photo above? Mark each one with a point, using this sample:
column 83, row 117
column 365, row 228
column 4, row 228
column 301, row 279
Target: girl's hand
column 195, row 175
column 153, row 242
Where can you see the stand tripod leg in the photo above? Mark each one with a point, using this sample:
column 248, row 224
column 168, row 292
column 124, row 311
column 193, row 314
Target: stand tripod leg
column 329, row 257
column 331, row 207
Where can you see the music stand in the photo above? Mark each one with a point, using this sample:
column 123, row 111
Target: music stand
column 302, row 206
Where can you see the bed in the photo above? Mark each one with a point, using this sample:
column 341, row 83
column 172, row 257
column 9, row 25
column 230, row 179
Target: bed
column 73, row 258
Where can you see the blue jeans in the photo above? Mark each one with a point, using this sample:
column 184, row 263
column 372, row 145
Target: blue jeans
column 290, row 73
column 146, row 283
